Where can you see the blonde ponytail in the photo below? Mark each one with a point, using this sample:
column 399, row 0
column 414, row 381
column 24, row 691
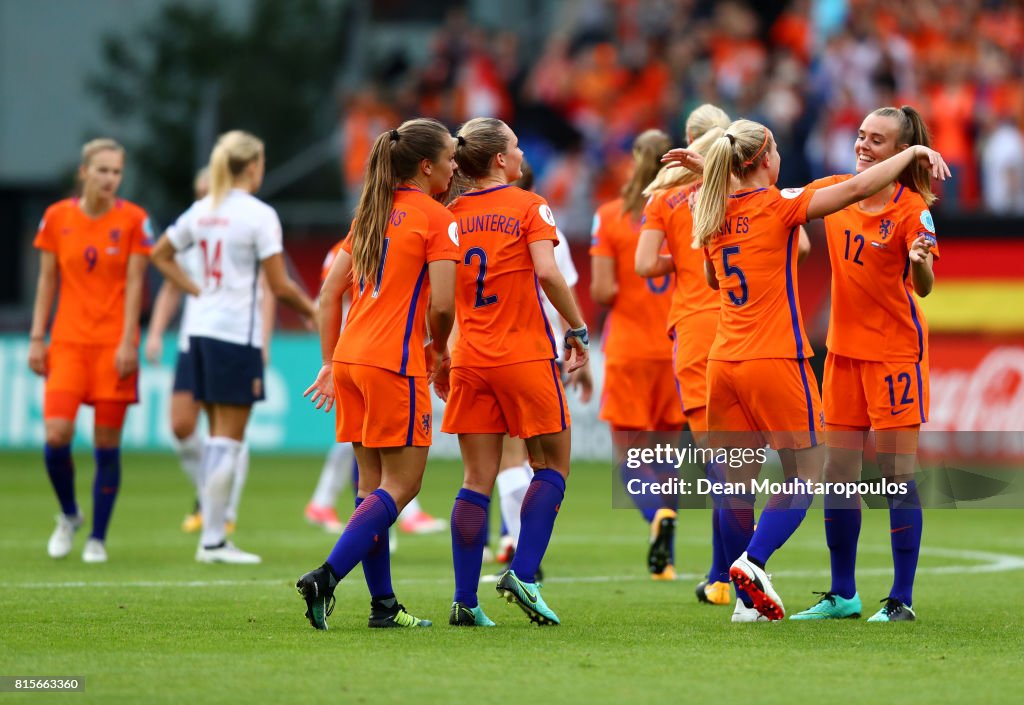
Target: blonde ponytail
column 234, row 151
column 681, row 176
column 737, row 152
column 647, row 150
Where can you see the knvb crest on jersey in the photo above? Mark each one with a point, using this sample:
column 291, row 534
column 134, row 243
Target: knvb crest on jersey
column 885, row 228
column 425, row 423
column 115, row 236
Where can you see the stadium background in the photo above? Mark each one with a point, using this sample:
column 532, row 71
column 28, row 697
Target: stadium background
column 318, row 79
column 576, row 79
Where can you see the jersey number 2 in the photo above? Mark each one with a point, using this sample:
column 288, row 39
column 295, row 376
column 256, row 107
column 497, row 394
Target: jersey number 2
column 211, row 263
column 478, row 253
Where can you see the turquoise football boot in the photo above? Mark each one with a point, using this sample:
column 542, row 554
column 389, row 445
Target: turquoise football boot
column 831, row 606
column 527, row 597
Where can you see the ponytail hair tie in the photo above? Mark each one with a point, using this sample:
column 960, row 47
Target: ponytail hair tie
column 395, row 136
column 732, row 138
column 461, row 140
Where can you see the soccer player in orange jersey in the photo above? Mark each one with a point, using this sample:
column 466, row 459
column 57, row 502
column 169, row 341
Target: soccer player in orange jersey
column 340, row 467
column 97, row 247
column 503, row 377
column 516, row 473
column 400, row 263
column 693, row 314
column 760, row 385
column 639, row 399
column 876, row 372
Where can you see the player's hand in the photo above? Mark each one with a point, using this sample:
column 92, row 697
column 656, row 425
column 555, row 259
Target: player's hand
column 126, row 360
column 687, row 158
column 577, row 348
column 312, row 323
column 322, row 389
column 921, row 248
column 440, row 365
column 583, row 380
column 38, row 357
column 154, row 349
column 936, row 164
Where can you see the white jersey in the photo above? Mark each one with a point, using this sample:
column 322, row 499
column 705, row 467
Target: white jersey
column 563, row 259
column 231, row 241
column 188, row 260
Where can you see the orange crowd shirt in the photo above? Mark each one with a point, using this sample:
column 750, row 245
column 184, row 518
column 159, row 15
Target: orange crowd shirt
column 875, row 315
column 498, row 303
column 755, row 255
column 669, row 212
column 635, row 327
column 92, row 263
column 386, row 325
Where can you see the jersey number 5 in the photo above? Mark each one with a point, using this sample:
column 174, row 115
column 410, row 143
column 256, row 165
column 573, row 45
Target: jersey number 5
column 730, row 270
column 211, row 264
column 478, row 253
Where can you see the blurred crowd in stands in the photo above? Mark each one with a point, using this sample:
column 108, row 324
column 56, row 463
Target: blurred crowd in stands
column 809, row 70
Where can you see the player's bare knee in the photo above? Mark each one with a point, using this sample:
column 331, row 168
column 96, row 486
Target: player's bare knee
column 106, row 437
column 59, row 433
column 183, row 428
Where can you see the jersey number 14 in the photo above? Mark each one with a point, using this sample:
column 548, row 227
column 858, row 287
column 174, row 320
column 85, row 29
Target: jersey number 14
column 211, row 264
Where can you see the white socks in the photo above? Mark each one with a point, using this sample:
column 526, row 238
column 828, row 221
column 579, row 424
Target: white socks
column 241, row 473
column 513, row 483
column 336, row 474
column 190, row 453
column 220, row 458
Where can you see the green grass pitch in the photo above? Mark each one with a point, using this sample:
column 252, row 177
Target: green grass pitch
column 153, row 626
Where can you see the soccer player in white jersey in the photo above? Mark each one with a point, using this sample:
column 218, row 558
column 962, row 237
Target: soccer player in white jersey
column 184, row 408
column 236, row 235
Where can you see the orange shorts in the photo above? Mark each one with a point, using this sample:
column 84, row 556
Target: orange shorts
column 697, row 420
column 84, row 374
column 641, row 395
column 380, row 408
column 898, row 441
column 773, row 401
column 879, row 395
column 692, row 339
column 525, row 400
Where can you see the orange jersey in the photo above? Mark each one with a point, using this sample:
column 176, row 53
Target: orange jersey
column 754, row 255
column 497, row 297
column 635, row 327
column 387, row 326
column 875, row 315
column 669, row 212
column 92, row 262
